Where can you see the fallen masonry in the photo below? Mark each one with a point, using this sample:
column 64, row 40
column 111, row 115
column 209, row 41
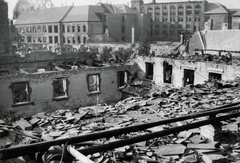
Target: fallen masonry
column 190, row 124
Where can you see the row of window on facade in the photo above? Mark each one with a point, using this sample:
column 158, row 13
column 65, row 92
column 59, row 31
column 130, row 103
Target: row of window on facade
column 180, row 19
column 188, row 74
column 165, row 26
column 53, row 39
column 21, row 91
column 74, row 28
column 51, row 29
column 172, row 8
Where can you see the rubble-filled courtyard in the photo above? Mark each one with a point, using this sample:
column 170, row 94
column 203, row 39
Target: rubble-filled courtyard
column 215, row 142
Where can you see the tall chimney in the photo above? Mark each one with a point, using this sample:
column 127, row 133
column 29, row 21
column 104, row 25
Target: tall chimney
column 133, row 34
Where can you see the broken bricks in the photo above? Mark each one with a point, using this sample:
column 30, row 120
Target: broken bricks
column 172, row 103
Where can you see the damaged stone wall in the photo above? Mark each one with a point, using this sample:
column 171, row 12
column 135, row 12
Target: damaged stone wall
column 201, row 70
column 41, row 90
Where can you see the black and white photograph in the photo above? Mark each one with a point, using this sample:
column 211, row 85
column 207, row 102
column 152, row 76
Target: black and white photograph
column 130, row 81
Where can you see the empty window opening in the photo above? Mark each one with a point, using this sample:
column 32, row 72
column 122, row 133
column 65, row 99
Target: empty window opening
column 60, row 88
column 93, row 83
column 188, row 77
column 214, row 76
column 79, row 28
column 167, row 73
column 122, row 78
column 149, row 70
column 21, row 93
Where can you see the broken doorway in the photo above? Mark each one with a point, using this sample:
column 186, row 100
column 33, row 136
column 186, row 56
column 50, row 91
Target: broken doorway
column 214, row 76
column 149, row 70
column 167, row 72
column 188, row 77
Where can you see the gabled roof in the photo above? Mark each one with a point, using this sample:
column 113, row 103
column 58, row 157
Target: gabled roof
column 235, row 12
column 121, row 8
column 84, row 13
column 216, row 8
column 118, row 9
column 50, row 15
column 222, row 39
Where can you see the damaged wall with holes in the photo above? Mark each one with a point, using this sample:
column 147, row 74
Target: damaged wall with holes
column 46, row 92
column 182, row 72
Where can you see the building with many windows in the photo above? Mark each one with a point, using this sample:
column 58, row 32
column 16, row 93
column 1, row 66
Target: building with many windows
column 170, row 19
column 67, row 28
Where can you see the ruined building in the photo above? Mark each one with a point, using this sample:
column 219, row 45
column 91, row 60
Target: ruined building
column 4, row 28
column 170, row 19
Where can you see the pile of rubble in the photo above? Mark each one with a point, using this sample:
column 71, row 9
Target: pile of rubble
column 218, row 142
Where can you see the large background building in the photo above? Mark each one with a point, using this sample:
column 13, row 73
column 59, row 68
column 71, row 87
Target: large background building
column 70, row 27
column 4, row 28
column 170, row 19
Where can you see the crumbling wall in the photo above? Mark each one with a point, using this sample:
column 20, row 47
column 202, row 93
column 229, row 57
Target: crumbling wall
column 201, row 70
column 41, row 86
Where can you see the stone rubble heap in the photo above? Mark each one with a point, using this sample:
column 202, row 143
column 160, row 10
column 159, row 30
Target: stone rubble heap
column 218, row 142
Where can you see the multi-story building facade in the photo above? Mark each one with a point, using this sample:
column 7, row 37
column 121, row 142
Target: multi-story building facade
column 170, row 19
column 70, row 27
column 4, row 28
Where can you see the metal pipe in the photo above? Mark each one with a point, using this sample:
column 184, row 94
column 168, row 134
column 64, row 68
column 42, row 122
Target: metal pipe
column 137, row 139
column 36, row 147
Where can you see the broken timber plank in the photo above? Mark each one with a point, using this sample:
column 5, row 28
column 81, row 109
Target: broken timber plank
column 32, row 148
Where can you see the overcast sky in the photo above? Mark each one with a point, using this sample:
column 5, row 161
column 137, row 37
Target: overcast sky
column 57, row 3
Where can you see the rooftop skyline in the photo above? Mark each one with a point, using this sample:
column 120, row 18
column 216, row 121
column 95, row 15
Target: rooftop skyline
column 11, row 3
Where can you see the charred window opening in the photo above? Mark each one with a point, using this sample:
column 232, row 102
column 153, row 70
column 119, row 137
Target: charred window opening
column 93, row 83
column 122, row 78
column 21, row 93
column 60, row 88
column 149, row 70
column 214, row 76
column 188, row 77
column 167, row 73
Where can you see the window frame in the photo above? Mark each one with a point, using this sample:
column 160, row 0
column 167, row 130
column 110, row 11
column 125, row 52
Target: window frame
column 55, row 28
column 66, row 91
column 29, row 91
column 98, row 91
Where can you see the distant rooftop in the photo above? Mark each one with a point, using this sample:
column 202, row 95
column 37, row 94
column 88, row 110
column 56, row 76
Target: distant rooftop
column 216, row 8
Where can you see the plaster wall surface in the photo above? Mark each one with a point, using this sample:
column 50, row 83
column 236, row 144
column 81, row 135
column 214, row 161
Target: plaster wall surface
column 201, row 70
column 42, row 90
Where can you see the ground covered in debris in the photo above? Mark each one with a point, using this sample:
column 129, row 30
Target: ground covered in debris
column 217, row 142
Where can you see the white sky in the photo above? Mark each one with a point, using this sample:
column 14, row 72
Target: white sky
column 57, row 3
